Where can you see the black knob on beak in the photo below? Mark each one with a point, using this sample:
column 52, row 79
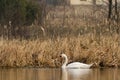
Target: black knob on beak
column 60, row 56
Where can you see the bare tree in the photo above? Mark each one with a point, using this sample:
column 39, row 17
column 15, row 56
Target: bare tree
column 110, row 9
column 64, row 7
column 116, row 11
column 94, row 2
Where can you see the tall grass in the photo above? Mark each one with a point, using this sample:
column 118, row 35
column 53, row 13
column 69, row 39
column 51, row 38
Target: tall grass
column 88, row 40
column 45, row 53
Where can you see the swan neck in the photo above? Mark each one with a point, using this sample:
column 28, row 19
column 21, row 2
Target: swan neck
column 65, row 63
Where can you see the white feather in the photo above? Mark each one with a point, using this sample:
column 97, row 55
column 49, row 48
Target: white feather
column 75, row 64
column 79, row 65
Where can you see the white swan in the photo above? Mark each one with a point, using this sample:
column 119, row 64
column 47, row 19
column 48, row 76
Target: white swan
column 74, row 64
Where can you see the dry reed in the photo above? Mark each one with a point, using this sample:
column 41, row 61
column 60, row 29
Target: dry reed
column 45, row 53
column 88, row 40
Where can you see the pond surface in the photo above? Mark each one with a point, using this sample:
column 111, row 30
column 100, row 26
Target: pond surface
column 59, row 74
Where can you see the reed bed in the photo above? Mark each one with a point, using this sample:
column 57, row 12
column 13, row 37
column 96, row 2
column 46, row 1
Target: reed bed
column 45, row 53
column 87, row 39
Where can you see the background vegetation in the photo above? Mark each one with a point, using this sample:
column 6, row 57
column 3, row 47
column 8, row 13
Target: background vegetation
column 19, row 12
column 15, row 14
column 36, row 33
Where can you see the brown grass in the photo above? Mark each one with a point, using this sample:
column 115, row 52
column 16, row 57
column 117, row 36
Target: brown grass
column 45, row 53
column 87, row 39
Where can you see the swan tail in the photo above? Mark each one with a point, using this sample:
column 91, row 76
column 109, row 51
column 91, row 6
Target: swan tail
column 93, row 64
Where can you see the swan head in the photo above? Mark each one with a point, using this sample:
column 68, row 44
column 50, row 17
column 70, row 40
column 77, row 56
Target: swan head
column 63, row 55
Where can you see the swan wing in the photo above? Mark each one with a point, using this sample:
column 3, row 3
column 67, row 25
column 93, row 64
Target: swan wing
column 79, row 65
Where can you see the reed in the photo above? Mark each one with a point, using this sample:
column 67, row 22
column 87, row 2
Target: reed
column 87, row 39
column 45, row 53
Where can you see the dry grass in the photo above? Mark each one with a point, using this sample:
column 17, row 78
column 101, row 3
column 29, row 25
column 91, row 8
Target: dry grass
column 87, row 39
column 45, row 53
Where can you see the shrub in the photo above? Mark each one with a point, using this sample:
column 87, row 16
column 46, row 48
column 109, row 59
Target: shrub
column 19, row 12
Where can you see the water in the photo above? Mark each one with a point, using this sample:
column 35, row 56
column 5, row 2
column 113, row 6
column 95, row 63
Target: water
column 58, row 74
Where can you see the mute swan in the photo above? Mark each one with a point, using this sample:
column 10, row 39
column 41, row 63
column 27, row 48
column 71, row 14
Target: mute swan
column 74, row 64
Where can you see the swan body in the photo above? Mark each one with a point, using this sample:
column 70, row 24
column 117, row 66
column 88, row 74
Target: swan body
column 79, row 65
column 74, row 64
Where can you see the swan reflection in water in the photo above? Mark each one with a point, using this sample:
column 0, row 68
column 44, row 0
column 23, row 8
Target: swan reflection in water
column 75, row 74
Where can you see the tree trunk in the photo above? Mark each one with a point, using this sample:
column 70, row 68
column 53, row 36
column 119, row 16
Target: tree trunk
column 110, row 9
column 94, row 2
column 64, row 5
column 116, row 10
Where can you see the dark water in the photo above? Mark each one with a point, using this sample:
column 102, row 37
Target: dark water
column 58, row 74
